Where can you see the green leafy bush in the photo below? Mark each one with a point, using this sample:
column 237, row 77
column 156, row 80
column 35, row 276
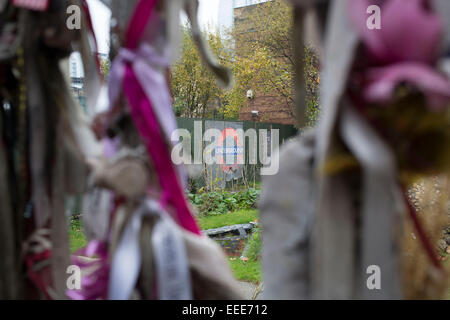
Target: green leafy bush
column 312, row 87
column 254, row 246
column 77, row 238
column 220, row 202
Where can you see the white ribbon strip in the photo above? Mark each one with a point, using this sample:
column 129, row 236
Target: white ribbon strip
column 173, row 277
column 172, row 269
column 380, row 206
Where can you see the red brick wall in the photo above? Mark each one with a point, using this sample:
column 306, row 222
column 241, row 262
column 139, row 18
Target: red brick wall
column 270, row 108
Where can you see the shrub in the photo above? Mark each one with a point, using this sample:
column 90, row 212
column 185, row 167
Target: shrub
column 254, row 246
column 220, row 202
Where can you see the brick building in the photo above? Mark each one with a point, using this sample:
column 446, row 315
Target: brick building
column 267, row 108
column 264, row 106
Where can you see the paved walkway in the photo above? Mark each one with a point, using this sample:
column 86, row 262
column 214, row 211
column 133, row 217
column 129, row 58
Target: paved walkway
column 247, row 289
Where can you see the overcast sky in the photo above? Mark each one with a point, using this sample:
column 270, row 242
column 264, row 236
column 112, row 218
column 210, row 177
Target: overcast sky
column 208, row 16
column 209, row 12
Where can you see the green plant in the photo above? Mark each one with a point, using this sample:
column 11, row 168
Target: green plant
column 254, row 246
column 221, row 201
column 250, row 198
column 312, row 78
column 77, row 238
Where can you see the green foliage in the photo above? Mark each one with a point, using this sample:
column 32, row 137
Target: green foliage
column 220, row 202
column 227, row 219
column 261, row 58
column 254, row 246
column 196, row 93
column 264, row 60
column 312, row 78
column 105, row 66
column 77, row 238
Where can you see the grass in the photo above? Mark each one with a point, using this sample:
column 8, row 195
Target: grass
column 246, row 271
column 243, row 270
column 227, row 219
column 250, row 270
column 77, row 238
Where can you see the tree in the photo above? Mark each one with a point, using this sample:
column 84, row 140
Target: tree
column 264, row 58
column 105, row 66
column 194, row 87
column 259, row 51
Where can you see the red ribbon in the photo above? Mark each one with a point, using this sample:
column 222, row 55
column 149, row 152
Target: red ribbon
column 421, row 233
column 34, row 276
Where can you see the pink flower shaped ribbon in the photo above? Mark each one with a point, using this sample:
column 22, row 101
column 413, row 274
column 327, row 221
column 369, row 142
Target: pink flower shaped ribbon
column 383, row 82
column 408, row 32
column 406, row 49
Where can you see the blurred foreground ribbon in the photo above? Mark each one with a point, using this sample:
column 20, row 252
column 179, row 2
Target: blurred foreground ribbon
column 172, row 268
column 145, row 61
column 381, row 199
column 93, row 262
column 138, row 69
column 38, row 249
column 404, row 49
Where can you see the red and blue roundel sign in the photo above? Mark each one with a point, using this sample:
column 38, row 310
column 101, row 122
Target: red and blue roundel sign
column 229, row 147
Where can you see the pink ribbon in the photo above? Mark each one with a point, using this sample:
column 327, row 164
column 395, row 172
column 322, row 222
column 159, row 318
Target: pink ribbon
column 138, row 70
column 147, row 124
column 138, row 22
column 383, row 82
column 403, row 50
column 145, row 62
column 94, row 284
column 408, row 31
